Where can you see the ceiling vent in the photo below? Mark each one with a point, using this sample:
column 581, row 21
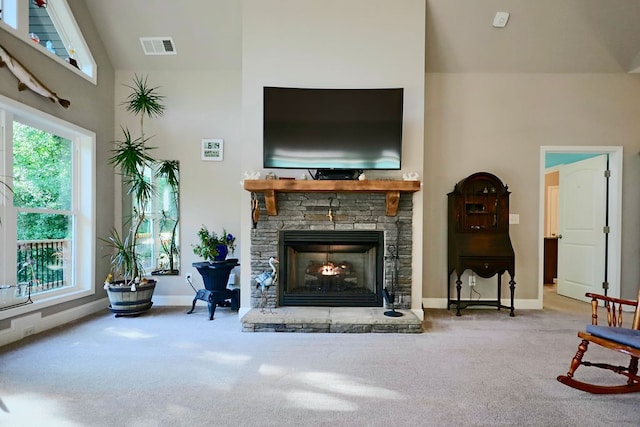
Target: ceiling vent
column 158, row 45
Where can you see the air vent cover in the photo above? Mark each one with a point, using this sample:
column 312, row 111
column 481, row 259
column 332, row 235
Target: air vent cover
column 158, row 45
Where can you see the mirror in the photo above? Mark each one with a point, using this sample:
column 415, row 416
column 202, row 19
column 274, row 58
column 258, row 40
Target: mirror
column 159, row 234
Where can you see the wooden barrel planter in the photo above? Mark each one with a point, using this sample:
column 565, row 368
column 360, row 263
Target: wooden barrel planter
column 125, row 302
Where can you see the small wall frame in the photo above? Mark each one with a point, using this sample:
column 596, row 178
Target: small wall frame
column 212, row 149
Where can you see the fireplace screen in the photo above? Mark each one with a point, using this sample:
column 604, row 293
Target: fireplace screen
column 331, row 268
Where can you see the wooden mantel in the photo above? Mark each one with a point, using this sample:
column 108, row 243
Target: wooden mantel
column 271, row 187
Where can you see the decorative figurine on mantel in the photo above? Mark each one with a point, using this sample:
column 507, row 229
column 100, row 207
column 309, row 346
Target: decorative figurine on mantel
column 255, row 210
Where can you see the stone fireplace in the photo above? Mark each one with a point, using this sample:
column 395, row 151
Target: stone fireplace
column 334, row 248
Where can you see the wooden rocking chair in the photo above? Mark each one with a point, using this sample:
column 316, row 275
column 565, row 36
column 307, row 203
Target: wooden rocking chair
column 615, row 336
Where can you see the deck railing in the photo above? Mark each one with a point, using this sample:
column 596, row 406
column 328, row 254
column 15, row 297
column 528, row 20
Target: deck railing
column 41, row 263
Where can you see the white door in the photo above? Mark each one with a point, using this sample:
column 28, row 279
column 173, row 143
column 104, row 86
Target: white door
column 581, row 221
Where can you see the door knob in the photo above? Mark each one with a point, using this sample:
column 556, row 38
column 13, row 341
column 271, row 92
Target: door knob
column 559, row 236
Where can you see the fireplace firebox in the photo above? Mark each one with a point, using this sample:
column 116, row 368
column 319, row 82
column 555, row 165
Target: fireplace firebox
column 331, row 268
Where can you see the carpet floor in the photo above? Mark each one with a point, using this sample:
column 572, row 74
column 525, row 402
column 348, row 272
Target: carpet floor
column 166, row 368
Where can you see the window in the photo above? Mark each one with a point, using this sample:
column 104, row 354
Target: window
column 50, row 27
column 47, row 227
column 42, row 199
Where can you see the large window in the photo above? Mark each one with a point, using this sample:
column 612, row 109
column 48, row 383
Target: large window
column 42, row 198
column 47, row 227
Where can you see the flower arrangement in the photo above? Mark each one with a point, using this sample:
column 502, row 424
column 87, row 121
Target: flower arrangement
column 209, row 242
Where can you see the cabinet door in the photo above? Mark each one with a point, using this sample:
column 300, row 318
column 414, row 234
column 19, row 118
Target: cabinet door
column 481, row 206
column 481, row 212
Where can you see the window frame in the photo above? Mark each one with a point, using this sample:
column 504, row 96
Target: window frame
column 84, row 202
column 15, row 20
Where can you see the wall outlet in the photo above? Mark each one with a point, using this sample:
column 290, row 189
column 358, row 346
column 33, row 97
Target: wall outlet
column 30, row 330
column 472, row 281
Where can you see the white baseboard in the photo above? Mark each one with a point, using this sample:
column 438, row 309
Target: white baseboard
column 34, row 323
column 174, row 300
column 522, row 304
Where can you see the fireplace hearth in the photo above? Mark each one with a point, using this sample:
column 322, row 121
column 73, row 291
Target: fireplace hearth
column 329, row 268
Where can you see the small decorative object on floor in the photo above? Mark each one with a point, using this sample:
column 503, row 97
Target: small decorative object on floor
column 265, row 280
column 391, row 297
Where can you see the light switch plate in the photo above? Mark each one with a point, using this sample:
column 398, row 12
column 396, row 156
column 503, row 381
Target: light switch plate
column 514, row 218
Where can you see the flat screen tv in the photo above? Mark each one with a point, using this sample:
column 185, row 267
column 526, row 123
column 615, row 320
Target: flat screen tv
column 332, row 129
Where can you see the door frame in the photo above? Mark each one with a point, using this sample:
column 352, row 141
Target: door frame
column 614, row 251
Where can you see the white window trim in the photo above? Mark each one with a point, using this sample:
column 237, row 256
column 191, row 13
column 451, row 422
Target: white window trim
column 16, row 21
column 85, row 206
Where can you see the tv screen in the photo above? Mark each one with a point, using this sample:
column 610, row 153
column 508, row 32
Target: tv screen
column 332, row 128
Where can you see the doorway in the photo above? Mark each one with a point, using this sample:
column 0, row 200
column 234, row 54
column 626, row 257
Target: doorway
column 612, row 258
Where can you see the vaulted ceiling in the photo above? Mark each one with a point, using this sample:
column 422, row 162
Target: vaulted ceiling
column 542, row 36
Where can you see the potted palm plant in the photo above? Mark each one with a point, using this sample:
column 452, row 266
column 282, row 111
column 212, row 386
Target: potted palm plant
column 129, row 291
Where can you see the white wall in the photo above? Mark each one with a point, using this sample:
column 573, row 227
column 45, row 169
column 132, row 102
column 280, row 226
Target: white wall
column 334, row 43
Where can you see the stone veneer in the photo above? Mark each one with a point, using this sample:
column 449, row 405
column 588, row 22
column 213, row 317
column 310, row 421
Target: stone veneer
column 330, row 320
column 352, row 211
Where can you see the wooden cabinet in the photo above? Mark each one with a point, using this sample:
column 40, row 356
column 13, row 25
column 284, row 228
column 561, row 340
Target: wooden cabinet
column 478, row 236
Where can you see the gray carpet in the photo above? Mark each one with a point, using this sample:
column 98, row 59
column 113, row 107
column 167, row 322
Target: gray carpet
column 168, row 368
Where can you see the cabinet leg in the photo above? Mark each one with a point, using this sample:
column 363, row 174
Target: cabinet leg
column 499, row 289
column 449, row 291
column 512, row 288
column 458, row 289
